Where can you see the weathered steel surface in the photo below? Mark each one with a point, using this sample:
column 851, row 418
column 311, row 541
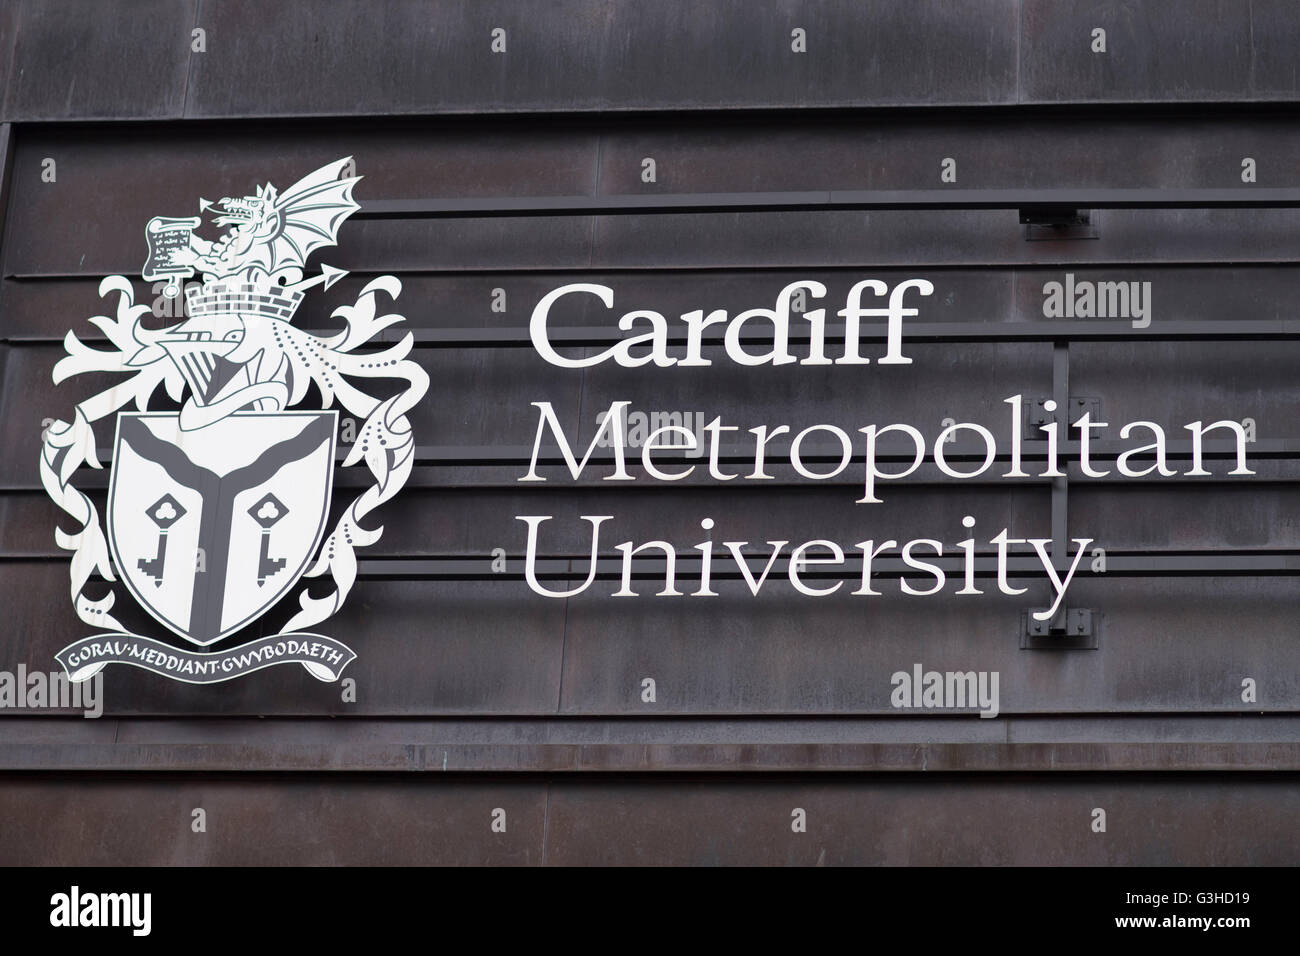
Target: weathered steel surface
column 1206, row 517
column 63, row 59
column 492, row 647
column 72, row 60
column 1174, row 730
column 739, row 650
column 1164, row 381
column 808, row 152
column 1158, row 51
column 576, row 745
column 30, row 402
column 325, row 821
column 943, row 819
column 966, row 820
column 733, row 756
column 605, row 55
column 765, row 703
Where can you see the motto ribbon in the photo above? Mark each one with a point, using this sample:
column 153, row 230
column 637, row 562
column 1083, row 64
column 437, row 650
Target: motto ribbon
column 323, row 657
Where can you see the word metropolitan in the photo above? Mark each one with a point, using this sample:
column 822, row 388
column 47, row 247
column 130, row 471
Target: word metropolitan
column 902, row 446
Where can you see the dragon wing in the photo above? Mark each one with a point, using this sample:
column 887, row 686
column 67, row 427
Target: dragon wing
column 307, row 215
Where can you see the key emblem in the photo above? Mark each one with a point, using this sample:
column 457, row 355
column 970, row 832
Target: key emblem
column 266, row 513
column 164, row 513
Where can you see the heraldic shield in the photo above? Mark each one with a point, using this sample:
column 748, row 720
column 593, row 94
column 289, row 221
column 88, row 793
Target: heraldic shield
column 212, row 526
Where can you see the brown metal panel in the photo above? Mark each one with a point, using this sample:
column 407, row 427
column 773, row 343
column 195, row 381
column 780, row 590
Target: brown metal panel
column 585, row 55
column 466, row 159
column 1174, row 383
column 733, row 756
column 472, row 245
column 738, row 54
column 39, row 310
column 27, row 522
column 965, row 239
column 482, row 396
column 38, row 614
column 418, row 58
column 93, row 61
column 8, row 35
column 1176, row 644
column 30, row 402
column 1194, row 517
column 307, row 821
column 1213, row 820
column 821, row 745
column 920, row 822
column 1189, row 643
column 116, row 182
column 1000, row 151
column 1220, row 294
column 1159, row 51
column 908, row 819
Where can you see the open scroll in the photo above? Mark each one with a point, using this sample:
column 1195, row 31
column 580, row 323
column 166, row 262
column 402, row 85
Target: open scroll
column 170, row 251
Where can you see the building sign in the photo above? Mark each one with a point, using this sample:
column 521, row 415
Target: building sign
column 217, row 510
column 879, row 452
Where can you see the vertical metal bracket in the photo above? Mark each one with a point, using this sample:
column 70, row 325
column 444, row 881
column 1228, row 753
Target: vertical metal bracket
column 1075, row 628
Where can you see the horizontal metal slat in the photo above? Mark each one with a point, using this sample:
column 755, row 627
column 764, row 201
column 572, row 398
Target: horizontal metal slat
column 889, row 450
column 688, row 564
column 736, row 757
column 1240, row 197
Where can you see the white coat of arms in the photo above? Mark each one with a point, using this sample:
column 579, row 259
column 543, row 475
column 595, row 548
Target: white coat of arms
column 216, row 511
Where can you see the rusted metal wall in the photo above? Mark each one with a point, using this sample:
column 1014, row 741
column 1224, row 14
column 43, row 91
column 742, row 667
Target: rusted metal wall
column 475, row 693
